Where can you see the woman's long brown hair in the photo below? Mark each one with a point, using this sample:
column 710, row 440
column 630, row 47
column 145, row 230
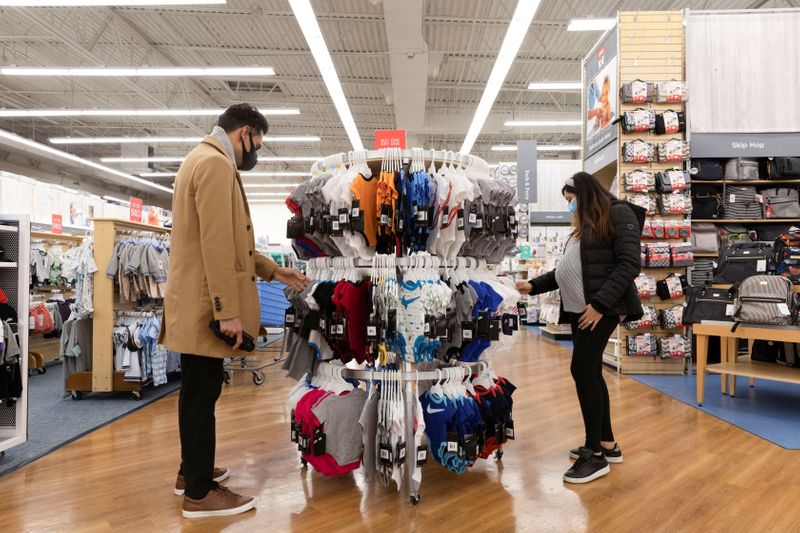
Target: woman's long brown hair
column 593, row 217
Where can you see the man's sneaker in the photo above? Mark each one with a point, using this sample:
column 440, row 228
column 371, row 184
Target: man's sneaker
column 587, row 468
column 219, row 502
column 612, row 456
column 220, row 474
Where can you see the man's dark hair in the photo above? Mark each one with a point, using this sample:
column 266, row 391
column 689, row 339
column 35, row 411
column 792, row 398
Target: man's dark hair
column 239, row 115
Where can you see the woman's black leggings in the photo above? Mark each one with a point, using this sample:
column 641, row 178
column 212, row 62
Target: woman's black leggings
column 587, row 371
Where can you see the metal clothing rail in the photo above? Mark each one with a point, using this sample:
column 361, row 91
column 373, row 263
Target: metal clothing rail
column 455, row 158
column 410, row 378
column 327, row 263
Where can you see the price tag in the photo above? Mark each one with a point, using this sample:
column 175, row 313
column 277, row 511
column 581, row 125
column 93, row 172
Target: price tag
column 760, row 198
column 733, row 198
column 729, row 310
column 783, row 309
column 473, row 217
column 761, row 265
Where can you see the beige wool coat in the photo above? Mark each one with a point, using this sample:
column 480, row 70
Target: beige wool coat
column 213, row 263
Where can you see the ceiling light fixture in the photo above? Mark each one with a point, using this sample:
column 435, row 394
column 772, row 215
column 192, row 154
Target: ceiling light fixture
column 160, row 159
column 504, row 148
column 539, row 148
column 24, row 113
column 555, row 86
column 42, row 148
column 284, row 159
column 168, row 140
column 520, row 22
column 600, row 24
column 139, row 72
column 256, row 194
column 542, row 123
column 99, row 3
column 269, row 185
column 307, row 20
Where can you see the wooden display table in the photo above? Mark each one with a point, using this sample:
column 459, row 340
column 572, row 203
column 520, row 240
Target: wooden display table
column 729, row 367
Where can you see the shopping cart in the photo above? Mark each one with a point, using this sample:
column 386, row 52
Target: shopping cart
column 273, row 304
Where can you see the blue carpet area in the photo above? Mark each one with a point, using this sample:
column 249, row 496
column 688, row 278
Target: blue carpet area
column 769, row 410
column 54, row 421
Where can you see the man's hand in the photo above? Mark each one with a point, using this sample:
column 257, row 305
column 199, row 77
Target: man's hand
column 291, row 278
column 589, row 318
column 524, row 287
column 232, row 328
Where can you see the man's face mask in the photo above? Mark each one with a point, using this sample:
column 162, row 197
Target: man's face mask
column 249, row 157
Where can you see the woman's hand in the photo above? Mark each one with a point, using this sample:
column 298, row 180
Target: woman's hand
column 524, row 287
column 589, row 318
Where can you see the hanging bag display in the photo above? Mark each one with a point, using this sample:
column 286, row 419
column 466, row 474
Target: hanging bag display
column 706, row 169
column 705, row 238
column 649, row 319
column 675, row 203
column 706, row 202
column 672, row 180
column 644, row 201
column 741, row 203
column 670, row 122
column 681, row 254
column 658, row 255
column 645, row 285
column 708, row 303
column 671, row 287
column 673, row 150
column 741, row 169
column 743, row 260
column 637, row 92
column 787, row 255
column 638, row 151
column 639, row 181
column 671, row 91
column 781, row 202
column 674, row 346
column 765, row 300
column 671, row 317
column 643, row 345
column 638, row 120
column 702, row 273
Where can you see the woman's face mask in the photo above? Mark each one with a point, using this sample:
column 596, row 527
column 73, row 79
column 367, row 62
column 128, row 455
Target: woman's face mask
column 572, row 206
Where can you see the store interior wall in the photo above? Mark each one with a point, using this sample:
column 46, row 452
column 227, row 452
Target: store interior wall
column 269, row 221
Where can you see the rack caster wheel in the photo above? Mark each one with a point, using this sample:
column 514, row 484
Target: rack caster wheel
column 258, row 378
column 414, row 500
column 42, row 370
column 227, row 378
column 498, row 455
column 76, row 395
column 136, row 395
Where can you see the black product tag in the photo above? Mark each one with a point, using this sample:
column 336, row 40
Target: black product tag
column 322, row 324
column 508, row 327
column 478, row 222
column 483, row 327
column 473, row 217
column 341, row 326
column 319, row 442
column 311, row 223
column 335, row 228
column 386, row 215
column 356, row 217
column 443, row 329
column 446, row 216
column 289, row 317
column 468, row 330
column 373, row 330
column 429, row 325
column 333, row 330
column 471, row 446
column 431, row 212
column 421, row 217
column 308, row 322
column 385, row 454
column 453, row 442
column 500, row 433
column 494, row 329
column 344, row 218
column 460, row 220
column 401, row 453
column 294, row 431
column 400, row 224
column 391, row 323
column 522, row 309
column 510, row 429
column 304, row 444
column 295, row 228
column 514, row 320
column 422, row 455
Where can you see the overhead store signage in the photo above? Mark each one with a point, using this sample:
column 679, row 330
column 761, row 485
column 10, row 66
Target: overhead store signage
column 601, row 158
column 601, row 94
column 526, row 172
column 136, row 209
column 745, row 144
column 550, row 217
column 390, row 139
column 57, row 225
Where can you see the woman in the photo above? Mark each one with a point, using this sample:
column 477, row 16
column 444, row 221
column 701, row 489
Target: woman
column 595, row 276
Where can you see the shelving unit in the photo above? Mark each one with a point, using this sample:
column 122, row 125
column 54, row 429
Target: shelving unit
column 749, row 221
column 8, row 265
column 15, row 240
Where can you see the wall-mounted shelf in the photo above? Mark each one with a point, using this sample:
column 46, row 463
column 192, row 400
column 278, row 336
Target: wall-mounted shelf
column 8, row 229
column 8, row 265
column 746, row 182
column 701, row 254
column 747, row 221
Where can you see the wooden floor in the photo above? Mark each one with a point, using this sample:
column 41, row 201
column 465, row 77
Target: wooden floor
column 683, row 470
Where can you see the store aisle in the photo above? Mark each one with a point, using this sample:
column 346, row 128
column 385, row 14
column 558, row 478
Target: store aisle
column 681, row 468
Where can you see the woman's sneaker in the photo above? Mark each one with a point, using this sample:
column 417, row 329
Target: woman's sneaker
column 612, row 456
column 587, row 468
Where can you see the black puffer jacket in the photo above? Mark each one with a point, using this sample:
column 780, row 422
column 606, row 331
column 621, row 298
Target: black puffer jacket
column 610, row 267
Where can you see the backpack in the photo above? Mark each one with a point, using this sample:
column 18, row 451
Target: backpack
column 706, row 202
column 708, row 303
column 786, row 252
column 741, row 203
column 742, row 260
column 702, row 273
column 781, row 202
column 782, row 167
column 765, row 300
column 782, row 353
column 741, row 168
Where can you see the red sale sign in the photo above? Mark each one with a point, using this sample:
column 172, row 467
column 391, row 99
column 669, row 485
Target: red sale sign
column 390, row 139
column 58, row 226
column 136, row 209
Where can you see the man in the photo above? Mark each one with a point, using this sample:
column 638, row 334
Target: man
column 212, row 276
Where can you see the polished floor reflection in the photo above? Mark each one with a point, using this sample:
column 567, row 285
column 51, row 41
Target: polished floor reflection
column 683, row 471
